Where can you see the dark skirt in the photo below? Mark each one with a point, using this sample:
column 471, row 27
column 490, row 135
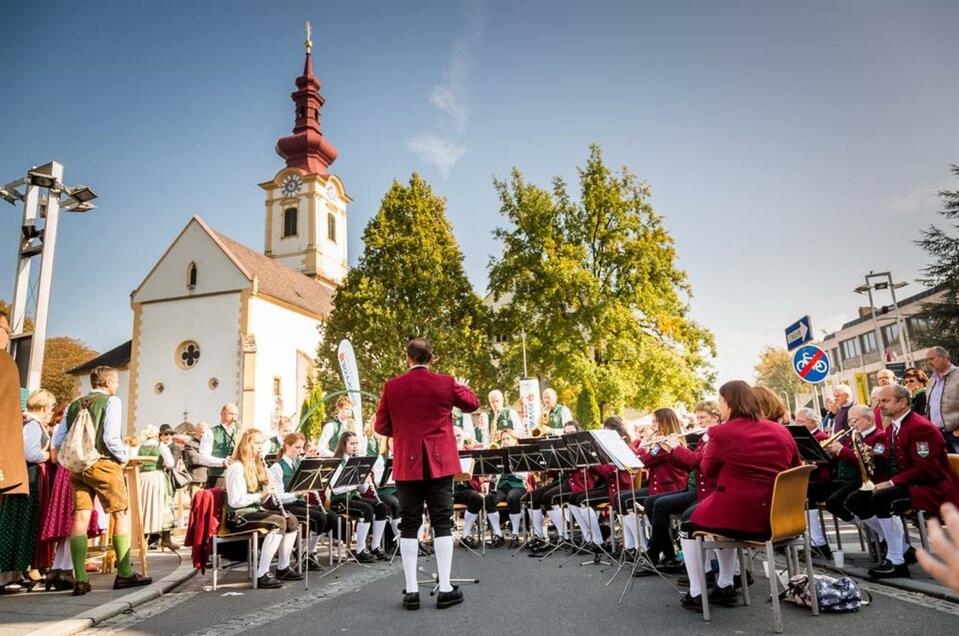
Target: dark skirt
column 19, row 527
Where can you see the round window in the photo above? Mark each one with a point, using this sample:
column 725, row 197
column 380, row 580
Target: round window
column 187, row 354
column 158, row 388
column 214, row 383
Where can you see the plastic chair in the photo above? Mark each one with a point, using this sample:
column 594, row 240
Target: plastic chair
column 787, row 521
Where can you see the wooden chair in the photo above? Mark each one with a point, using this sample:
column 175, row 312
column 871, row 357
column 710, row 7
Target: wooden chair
column 787, row 520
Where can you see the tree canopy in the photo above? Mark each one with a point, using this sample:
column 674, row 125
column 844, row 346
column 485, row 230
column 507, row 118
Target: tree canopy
column 775, row 371
column 595, row 285
column 61, row 355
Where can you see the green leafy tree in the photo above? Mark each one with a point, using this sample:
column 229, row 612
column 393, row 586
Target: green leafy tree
column 587, row 408
column 943, row 247
column 61, row 355
column 314, row 410
column 775, row 371
column 594, row 282
column 409, row 283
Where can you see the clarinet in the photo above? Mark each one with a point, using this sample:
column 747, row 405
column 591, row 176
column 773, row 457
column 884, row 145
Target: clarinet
column 274, row 498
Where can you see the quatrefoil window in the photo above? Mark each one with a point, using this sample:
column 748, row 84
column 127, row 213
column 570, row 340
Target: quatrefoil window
column 187, row 354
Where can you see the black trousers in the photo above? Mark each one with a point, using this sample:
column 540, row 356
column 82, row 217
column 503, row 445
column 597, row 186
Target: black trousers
column 592, row 497
column 833, row 493
column 626, row 499
column 361, row 508
column 536, row 495
column 436, row 495
column 512, row 496
column 880, row 503
column 542, row 498
column 474, row 501
column 319, row 521
column 687, row 528
column 660, row 510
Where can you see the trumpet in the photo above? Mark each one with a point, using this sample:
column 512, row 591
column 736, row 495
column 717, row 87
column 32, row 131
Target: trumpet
column 835, row 437
column 542, row 431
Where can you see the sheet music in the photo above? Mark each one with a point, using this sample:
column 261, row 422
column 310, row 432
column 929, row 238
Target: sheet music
column 378, row 469
column 466, row 465
column 613, row 445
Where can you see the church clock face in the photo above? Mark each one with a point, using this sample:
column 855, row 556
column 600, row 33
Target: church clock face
column 291, row 185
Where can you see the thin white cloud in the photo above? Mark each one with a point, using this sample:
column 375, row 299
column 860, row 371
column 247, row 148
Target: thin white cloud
column 439, row 151
column 923, row 201
column 450, row 98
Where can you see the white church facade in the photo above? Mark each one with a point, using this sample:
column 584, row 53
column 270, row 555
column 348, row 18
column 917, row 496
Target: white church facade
column 215, row 321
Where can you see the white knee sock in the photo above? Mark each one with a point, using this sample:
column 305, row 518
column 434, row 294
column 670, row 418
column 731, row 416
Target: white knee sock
column 287, row 543
column 556, row 516
column 873, row 524
column 271, row 543
column 577, row 513
column 642, row 530
column 379, row 527
column 362, row 530
column 594, row 529
column 727, row 566
column 443, row 546
column 538, row 523
column 63, row 560
column 311, row 544
column 692, row 557
column 494, row 523
column 892, row 530
column 816, row 536
column 516, row 520
column 395, row 524
column 630, row 530
column 469, row 520
column 409, row 550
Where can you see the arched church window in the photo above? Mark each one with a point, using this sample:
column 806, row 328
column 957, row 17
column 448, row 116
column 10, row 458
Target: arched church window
column 191, row 275
column 289, row 222
column 331, row 227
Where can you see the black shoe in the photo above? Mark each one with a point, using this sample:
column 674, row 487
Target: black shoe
column 497, row 542
column 694, row 603
column 449, row 599
column 425, row 549
column 63, row 581
column 411, row 600
column 470, row 543
column 513, row 542
column 738, row 580
column 910, row 556
column 724, row 596
column 81, row 587
column 134, row 580
column 671, row 566
column 886, row 570
column 710, row 580
column 365, row 557
column 288, row 574
column 313, row 565
column 537, row 544
column 629, row 556
column 823, row 552
column 379, row 554
column 268, row 582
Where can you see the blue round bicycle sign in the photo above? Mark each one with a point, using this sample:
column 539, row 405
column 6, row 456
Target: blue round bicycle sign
column 811, row 364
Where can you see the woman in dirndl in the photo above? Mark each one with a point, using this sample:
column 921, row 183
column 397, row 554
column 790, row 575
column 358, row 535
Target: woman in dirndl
column 156, row 492
column 21, row 515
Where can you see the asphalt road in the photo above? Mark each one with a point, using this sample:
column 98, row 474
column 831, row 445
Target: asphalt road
column 515, row 595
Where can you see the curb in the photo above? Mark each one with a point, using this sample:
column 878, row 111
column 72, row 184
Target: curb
column 98, row 614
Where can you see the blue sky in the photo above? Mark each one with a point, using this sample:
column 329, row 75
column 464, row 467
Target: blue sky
column 791, row 147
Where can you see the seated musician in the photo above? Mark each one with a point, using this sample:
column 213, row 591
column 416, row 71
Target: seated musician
column 660, row 508
column 920, row 478
column 282, row 471
column 387, row 492
column 834, row 491
column 577, row 483
column 540, row 498
column 617, row 482
column 744, row 455
column 664, row 476
column 510, row 488
column 356, row 505
column 247, row 489
column 469, row 493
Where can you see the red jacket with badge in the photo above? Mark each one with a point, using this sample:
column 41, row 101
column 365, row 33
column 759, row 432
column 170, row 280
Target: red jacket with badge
column 663, row 475
column 921, row 463
column 689, row 461
column 744, row 457
column 878, row 441
column 581, row 481
column 616, row 480
column 416, row 411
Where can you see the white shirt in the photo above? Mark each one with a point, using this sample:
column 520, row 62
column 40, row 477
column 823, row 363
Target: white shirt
column 32, row 436
column 109, row 428
column 206, row 448
column 323, row 446
column 236, row 493
column 276, row 473
column 896, row 423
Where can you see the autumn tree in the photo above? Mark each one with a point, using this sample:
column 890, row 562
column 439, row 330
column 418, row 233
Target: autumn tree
column 775, row 370
column 595, row 285
column 61, row 355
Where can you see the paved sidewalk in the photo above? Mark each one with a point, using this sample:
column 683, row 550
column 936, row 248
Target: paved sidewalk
column 60, row 613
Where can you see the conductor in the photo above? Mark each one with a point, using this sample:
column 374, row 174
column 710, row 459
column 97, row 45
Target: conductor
column 415, row 410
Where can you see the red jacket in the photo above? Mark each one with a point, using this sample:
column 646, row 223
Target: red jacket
column 878, row 441
column 921, row 463
column 616, row 480
column 579, row 482
column 744, row 457
column 663, row 475
column 205, row 510
column 416, row 411
column 824, row 471
column 689, row 461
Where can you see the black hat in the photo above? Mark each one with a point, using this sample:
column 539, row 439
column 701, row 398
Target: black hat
column 166, row 429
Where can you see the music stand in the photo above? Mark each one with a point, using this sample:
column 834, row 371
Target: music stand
column 312, row 474
column 810, row 449
column 351, row 475
column 527, row 458
column 558, row 457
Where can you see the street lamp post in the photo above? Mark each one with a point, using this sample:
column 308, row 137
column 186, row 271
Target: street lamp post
column 42, row 204
column 887, row 283
column 875, row 320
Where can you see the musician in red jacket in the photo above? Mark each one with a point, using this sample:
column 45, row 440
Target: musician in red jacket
column 744, row 455
column 416, row 411
column 921, row 477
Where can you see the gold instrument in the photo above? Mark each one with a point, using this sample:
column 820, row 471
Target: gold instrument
column 659, row 439
column 271, row 486
column 543, row 431
column 835, row 437
column 866, row 459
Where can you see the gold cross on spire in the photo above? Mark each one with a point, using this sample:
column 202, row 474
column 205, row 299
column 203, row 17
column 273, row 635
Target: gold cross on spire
column 309, row 32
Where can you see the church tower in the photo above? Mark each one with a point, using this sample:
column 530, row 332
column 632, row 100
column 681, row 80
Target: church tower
column 305, row 203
